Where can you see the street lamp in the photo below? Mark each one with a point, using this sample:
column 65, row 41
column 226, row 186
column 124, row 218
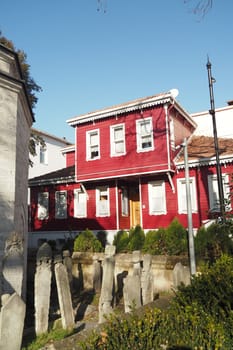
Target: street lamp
column 218, row 167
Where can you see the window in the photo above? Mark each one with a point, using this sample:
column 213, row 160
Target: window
column 80, row 204
column 102, row 201
column 157, row 198
column 182, row 199
column 124, row 202
column 117, row 135
column 43, row 155
column 145, row 140
column 214, row 194
column 93, row 144
column 60, row 204
column 43, row 205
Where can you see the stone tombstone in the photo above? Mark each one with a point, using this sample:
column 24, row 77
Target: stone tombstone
column 64, row 296
column 12, row 323
column 106, row 295
column 147, row 280
column 13, row 265
column 180, row 274
column 132, row 292
column 42, row 288
column 136, row 259
column 96, row 274
column 67, row 261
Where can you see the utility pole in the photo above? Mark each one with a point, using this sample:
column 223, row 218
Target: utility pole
column 218, row 167
column 189, row 212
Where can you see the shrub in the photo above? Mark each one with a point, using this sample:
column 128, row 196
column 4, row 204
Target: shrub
column 176, row 239
column 136, row 238
column 87, row 242
column 213, row 241
column 155, row 242
column 121, row 241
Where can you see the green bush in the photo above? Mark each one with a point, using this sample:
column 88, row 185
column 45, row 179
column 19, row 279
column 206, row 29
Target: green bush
column 213, row 241
column 136, row 238
column 155, row 242
column 121, row 241
column 176, row 238
column 87, row 242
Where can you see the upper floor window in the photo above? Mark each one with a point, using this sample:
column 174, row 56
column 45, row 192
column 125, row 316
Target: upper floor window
column 43, row 206
column 93, row 144
column 102, row 201
column 157, row 198
column 43, row 155
column 182, row 198
column 117, row 133
column 214, row 193
column 61, row 204
column 145, row 141
column 80, row 203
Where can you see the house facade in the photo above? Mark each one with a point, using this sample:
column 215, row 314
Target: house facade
column 128, row 170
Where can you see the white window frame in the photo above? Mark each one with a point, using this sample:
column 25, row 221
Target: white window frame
column 102, row 204
column 141, row 137
column 60, row 206
column 124, row 202
column 43, row 155
column 80, row 203
column 43, row 205
column 214, row 194
column 115, row 142
column 89, row 134
column 182, row 198
column 157, row 194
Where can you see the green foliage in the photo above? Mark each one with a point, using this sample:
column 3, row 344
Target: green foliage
column 136, row 238
column 213, row 241
column 43, row 339
column 155, row 242
column 87, row 242
column 121, row 241
column 176, row 238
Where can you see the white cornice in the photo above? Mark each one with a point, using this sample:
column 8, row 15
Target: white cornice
column 205, row 162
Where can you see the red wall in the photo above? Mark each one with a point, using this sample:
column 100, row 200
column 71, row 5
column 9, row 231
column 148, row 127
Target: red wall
column 70, row 158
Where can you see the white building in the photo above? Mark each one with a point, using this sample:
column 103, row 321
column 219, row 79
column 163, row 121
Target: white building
column 224, row 122
column 50, row 157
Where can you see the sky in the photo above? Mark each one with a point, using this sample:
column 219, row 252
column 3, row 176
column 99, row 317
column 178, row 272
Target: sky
column 89, row 54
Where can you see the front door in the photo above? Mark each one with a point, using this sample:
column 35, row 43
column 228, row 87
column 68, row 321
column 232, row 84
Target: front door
column 135, row 217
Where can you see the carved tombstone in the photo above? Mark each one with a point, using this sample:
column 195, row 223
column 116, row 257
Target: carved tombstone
column 12, row 265
column 181, row 274
column 106, row 296
column 64, row 296
column 147, row 281
column 12, row 323
column 42, row 288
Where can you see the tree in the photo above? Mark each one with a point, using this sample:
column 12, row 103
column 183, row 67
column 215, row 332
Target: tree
column 31, row 87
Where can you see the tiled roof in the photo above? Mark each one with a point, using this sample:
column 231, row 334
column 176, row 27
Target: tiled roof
column 201, row 149
column 59, row 176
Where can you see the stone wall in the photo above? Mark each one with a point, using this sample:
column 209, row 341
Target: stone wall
column 162, row 268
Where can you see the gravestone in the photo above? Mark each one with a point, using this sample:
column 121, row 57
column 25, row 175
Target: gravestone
column 64, row 296
column 96, row 274
column 67, row 261
column 12, row 323
column 136, row 259
column 42, row 288
column 147, row 280
column 106, row 296
column 132, row 292
column 12, row 265
column 180, row 274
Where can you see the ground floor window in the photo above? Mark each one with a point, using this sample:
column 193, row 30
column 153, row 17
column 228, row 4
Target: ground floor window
column 61, row 204
column 102, row 201
column 157, row 198
column 43, row 205
column 182, row 198
column 214, row 194
column 124, row 202
column 80, row 203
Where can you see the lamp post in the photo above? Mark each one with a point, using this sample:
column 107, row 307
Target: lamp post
column 189, row 212
column 218, row 167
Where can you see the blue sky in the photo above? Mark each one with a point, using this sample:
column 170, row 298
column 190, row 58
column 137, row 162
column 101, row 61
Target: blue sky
column 90, row 54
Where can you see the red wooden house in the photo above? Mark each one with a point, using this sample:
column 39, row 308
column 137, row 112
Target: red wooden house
column 128, row 169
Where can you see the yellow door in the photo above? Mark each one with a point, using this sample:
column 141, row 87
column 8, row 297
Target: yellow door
column 135, row 217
